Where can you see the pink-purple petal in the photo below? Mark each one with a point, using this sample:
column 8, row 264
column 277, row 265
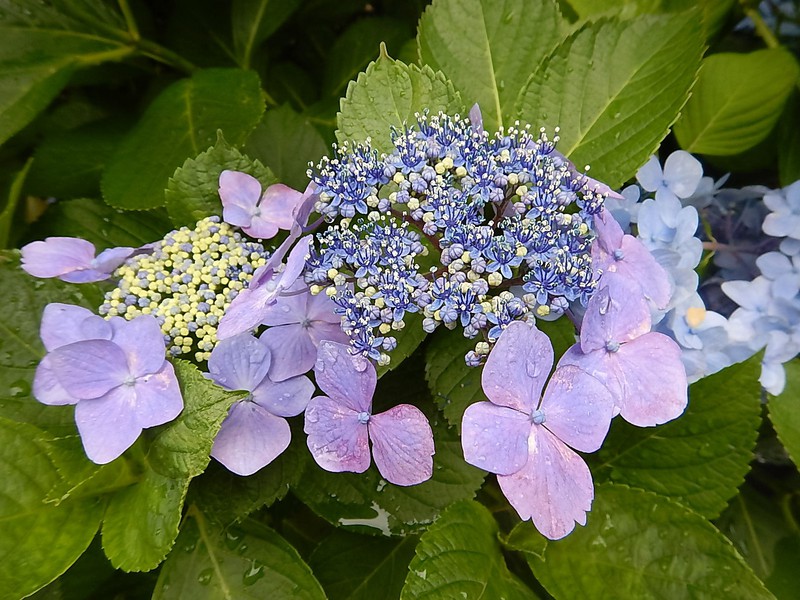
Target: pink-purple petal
column 240, row 363
column 616, row 314
column 578, row 408
column 261, row 227
column 250, row 438
column 293, row 351
column 337, row 440
column 56, row 256
column 554, row 488
column 402, row 445
column 89, row 369
column 279, row 204
column 322, row 308
column 321, row 331
column 495, row 438
column 244, row 314
column 347, row 378
column 109, row 259
column 47, row 389
column 142, row 342
column 236, row 215
column 107, row 425
column 285, row 398
column 64, row 324
column 158, row 397
column 291, row 308
column 517, row 367
column 239, row 189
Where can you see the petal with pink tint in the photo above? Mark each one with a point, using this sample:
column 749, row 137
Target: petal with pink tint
column 347, row 378
column 293, row 352
column 239, row 189
column 47, row 389
column 290, row 308
column 402, row 445
column 250, row 438
column 110, row 258
column 614, row 314
column 495, row 438
column 142, row 342
column 554, row 488
column 261, row 227
column 279, row 203
column 107, row 425
column 336, row 438
column 609, row 233
column 321, row 331
column 600, row 365
column 286, row 398
column 517, row 367
column 89, row 369
column 64, row 324
column 56, row 256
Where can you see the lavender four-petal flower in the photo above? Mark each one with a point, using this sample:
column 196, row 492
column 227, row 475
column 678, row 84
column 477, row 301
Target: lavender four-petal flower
column 71, row 259
column 642, row 368
column 340, row 424
column 525, row 438
column 255, row 432
column 114, row 371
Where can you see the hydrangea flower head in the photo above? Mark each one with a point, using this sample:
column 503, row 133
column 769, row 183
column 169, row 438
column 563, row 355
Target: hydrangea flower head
column 255, row 432
column 259, row 216
column 71, row 259
column 526, row 438
column 784, row 220
column 114, row 371
column 341, row 424
column 679, row 179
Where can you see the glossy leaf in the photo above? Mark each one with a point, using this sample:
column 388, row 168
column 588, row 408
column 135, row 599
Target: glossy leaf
column 254, row 21
column 784, row 411
column 701, row 458
column 460, row 554
column 388, row 94
column 645, row 546
column 184, row 119
column 737, row 101
column 487, row 48
column 248, row 562
column 615, row 88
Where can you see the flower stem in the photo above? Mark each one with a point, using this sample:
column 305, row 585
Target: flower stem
column 763, row 31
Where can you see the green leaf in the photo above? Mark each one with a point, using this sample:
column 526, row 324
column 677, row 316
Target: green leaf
column 615, row 88
column 40, row 540
column 24, row 299
column 141, row 521
column 645, row 546
column 789, row 142
column 35, row 64
column 387, row 95
column 784, row 411
column 104, row 226
column 248, row 562
column 488, row 49
column 254, row 21
column 699, row 459
column 360, row 567
column 193, row 191
column 357, row 46
column 737, row 101
column 182, row 121
column 10, row 208
column 69, row 164
column 286, row 142
column 408, row 340
column 182, row 447
column 460, row 554
column 525, row 538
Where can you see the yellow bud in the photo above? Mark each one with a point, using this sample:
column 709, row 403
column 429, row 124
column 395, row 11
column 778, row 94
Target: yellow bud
column 543, row 310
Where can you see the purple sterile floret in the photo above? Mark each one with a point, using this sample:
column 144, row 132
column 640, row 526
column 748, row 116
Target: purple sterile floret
column 71, row 259
column 642, row 369
column 525, row 437
column 298, row 322
column 114, row 371
column 259, row 216
column 340, row 424
column 619, row 256
column 255, row 432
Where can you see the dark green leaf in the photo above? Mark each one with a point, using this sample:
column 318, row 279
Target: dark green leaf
column 11, row 201
column 737, row 101
column 789, row 142
column 182, row 121
column 286, row 142
column 248, row 562
column 701, row 458
column 193, row 191
column 40, row 540
column 359, row 567
column 784, row 411
column 640, row 545
column 525, row 538
column 615, row 88
column 408, row 339
column 488, row 49
column 460, row 554
column 181, row 448
column 254, row 21
column 388, row 94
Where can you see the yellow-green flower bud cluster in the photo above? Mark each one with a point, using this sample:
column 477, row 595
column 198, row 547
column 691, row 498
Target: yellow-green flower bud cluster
column 187, row 283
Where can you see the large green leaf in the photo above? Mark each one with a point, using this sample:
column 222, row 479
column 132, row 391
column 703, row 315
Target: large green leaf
column 637, row 544
column 615, row 88
column 181, row 448
column 488, row 49
column 737, row 101
column 11, row 201
column 387, row 95
column 193, row 191
column 24, row 299
column 460, row 554
column 40, row 540
column 253, row 21
column 361, row 567
column 286, row 142
column 248, row 562
column 784, row 411
column 701, row 458
column 182, row 121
